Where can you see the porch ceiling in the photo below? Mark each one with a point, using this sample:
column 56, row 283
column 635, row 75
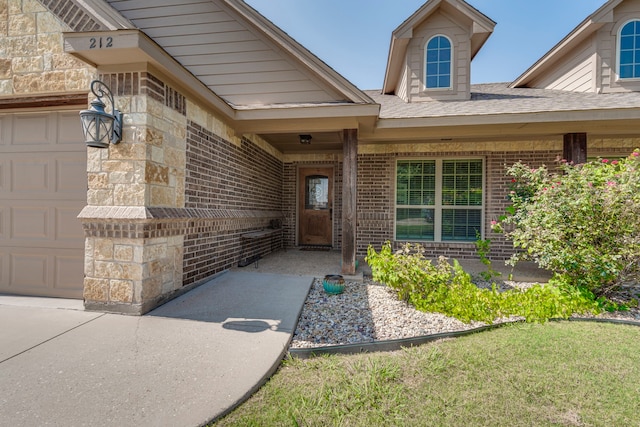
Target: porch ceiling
column 321, row 142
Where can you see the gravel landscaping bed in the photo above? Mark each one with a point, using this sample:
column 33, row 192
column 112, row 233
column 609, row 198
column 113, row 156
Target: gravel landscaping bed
column 368, row 312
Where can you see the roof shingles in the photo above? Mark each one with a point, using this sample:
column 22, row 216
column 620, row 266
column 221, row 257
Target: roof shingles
column 498, row 98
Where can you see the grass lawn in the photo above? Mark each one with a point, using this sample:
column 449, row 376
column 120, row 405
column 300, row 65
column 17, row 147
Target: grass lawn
column 556, row 374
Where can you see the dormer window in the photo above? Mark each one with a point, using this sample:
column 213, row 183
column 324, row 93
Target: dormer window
column 438, row 63
column 629, row 51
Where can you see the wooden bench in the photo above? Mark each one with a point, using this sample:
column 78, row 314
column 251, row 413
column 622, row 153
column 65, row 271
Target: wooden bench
column 257, row 235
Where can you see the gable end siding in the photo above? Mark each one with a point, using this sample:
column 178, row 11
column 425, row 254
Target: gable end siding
column 576, row 73
column 232, row 58
column 608, row 46
column 440, row 23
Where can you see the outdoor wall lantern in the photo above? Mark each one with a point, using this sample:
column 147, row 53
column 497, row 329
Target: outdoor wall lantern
column 98, row 126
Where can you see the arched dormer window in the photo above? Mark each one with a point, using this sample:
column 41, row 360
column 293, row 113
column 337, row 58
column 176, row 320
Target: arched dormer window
column 438, row 63
column 629, row 50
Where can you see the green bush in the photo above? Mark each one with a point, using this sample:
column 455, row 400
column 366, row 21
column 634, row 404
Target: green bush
column 448, row 289
column 582, row 223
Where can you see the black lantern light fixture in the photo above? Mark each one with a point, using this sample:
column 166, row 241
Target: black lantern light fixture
column 305, row 139
column 99, row 127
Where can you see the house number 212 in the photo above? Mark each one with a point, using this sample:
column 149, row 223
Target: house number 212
column 99, row 42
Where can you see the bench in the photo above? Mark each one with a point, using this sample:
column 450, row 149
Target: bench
column 257, row 235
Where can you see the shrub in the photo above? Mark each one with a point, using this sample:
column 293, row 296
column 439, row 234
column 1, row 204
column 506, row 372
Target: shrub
column 407, row 271
column 582, row 223
column 448, row 289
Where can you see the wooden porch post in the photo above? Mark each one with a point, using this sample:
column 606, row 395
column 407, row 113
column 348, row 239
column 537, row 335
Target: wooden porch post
column 349, row 200
column 575, row 148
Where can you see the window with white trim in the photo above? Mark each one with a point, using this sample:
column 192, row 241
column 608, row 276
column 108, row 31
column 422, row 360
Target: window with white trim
column 439, row 200
column 629, row 50
column 438, row 63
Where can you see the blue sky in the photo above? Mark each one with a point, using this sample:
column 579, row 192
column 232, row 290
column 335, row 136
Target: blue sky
column 353, row 36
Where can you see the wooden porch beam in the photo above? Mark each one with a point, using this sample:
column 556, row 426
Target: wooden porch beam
column 575, row 148
column 349, row 199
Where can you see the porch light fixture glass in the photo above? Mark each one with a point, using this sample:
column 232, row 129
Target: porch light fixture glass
column 98, row 126
column 305, row 139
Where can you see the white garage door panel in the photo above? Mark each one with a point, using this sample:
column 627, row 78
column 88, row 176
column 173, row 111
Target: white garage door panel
column 43, row 187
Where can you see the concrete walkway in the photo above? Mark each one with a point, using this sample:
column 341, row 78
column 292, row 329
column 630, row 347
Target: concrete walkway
column 182, row 365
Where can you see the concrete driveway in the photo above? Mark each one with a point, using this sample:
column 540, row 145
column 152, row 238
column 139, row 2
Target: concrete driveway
column 181, row 365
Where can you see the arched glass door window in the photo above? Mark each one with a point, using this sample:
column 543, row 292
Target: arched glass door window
column 629, row 52
column 438, row 63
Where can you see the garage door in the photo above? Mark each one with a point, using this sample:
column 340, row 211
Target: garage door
column 43, row 187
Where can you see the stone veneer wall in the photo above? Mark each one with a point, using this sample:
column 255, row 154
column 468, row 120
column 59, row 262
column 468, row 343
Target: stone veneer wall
column 376, row 192
column 169, row 204
column 133, row 224
column 143, row 242
column 32, row 59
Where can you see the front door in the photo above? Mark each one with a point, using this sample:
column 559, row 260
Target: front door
column 315, row 208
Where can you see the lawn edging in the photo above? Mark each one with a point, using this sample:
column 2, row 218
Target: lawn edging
column 397, row 344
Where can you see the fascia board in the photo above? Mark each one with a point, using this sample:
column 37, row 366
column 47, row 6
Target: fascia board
column 397, row 52
column 295, row 112
column 405, row 30
column 514, row 118
column 622, row 121
column 102, row 12
column 308, row 119
column 482, row 23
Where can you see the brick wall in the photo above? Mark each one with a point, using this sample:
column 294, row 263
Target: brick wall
column 376, row 192
column 289, row 188
column 221, row 175
column 376, row 195
column 180, row 191
column 375, row 200
column 236, row 188
column 498, row 187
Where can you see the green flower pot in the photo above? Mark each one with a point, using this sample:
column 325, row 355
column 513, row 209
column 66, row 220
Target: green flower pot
column 333, row 284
